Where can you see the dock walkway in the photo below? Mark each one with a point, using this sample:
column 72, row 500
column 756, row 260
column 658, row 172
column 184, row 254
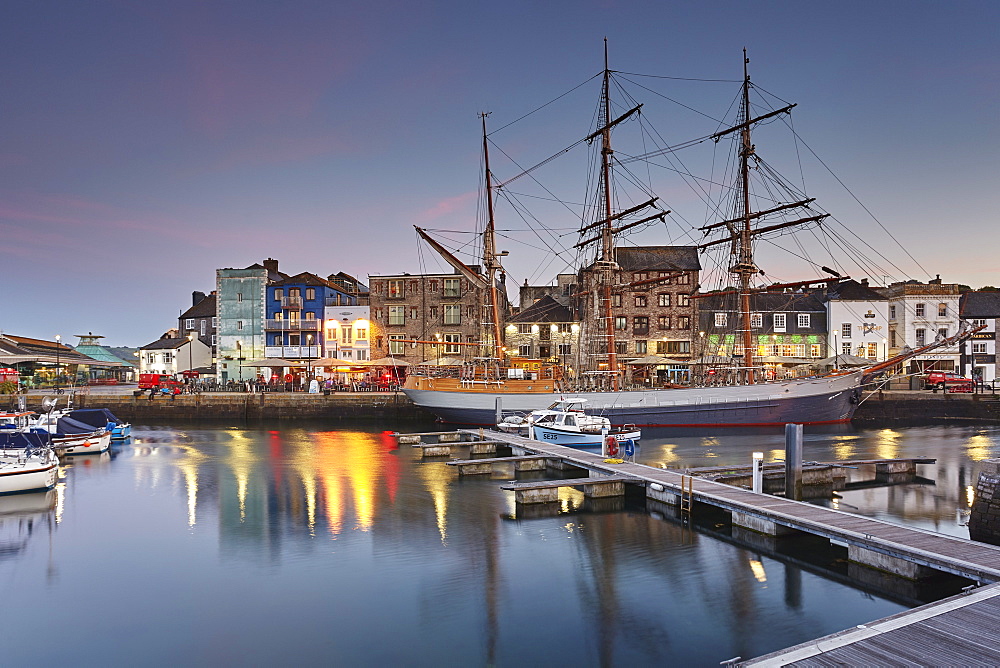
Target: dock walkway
column 862, row 535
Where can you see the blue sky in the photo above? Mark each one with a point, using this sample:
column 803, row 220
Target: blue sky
column 145, row 144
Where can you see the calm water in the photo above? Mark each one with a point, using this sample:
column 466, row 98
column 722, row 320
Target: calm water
column 223, row 546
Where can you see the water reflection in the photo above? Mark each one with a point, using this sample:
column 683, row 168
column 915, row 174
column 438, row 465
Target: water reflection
column 362, row 553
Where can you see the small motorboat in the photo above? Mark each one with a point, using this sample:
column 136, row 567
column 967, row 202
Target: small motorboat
column 72, row 437
column 102, row 417
column 27, row 463
column 566, row 422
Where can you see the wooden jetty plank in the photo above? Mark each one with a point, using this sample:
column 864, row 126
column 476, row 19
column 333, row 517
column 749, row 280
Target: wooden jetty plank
column 497, row 460
column 566, row 482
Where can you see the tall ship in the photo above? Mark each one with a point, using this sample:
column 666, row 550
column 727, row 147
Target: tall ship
column 733, row 386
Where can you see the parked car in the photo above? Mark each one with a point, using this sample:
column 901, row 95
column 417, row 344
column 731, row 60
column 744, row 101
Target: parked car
column 950, row 382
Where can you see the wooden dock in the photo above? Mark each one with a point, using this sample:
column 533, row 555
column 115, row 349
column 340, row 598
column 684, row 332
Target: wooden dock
column 958, row 631
column 904, row 551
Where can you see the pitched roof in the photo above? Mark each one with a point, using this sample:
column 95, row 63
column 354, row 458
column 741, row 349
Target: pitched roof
column 980, row 305
column 545, row 309
column 851, row 290
column 203, row 309
column 764, row 302
column 165, row 344
column 304, row 278
column 658, row 258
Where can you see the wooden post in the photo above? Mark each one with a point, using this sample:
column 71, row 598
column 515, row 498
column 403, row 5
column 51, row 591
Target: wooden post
column 793, row 462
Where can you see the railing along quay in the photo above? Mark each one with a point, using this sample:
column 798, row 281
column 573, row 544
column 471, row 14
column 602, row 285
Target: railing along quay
column 904, row 551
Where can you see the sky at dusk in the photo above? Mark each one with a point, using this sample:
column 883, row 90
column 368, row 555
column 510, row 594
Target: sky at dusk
column 145, row 144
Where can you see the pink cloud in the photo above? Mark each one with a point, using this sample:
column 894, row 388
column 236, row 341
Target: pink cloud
column 446, row 207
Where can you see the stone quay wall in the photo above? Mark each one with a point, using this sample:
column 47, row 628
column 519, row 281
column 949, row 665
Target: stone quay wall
column 916, row 407
column 984, row 520
column 336, row 407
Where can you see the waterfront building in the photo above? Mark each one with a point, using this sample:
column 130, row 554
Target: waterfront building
column 858, row 317
column 295, row 313
column 562, row 292
column 426, row 316
column 201, row 319
column 241, row 295
column 789, row 329
column 919, row 313
column 351, row 286
column 116, row 370
column 348, row 333
column 544, row 330
column 173, row 355
column 652, row 311
column 40, row 363
column 979, row 354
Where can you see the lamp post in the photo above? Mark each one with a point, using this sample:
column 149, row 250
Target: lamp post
column 309, row 358
column 239, row 359
column 58, row 365
column 190, row 338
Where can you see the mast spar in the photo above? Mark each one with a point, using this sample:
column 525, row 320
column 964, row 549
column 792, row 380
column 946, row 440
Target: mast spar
column 745, row 267
column 606, row 271
column 490, row 256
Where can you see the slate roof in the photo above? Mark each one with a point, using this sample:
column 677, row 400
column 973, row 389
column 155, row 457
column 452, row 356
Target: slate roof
column 765, row 302
column 305, row 278
column 165, row 344
column 851, row 290
column 980, row 305
column 203, row 309
column 658, row 258
column 545, row 309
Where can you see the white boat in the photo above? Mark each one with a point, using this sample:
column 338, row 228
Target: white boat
column 71, row 437
column 26, row 470
column 566, row 422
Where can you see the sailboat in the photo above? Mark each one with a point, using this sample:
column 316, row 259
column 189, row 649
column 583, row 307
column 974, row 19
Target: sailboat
column 485, row 389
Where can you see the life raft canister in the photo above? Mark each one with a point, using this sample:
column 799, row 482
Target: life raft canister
column 611, row 445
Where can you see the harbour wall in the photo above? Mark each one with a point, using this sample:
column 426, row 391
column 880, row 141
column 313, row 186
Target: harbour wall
column 877, row 409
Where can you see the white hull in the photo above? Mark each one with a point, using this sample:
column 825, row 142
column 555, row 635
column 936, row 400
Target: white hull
column 82, row 445
column 19, row 473
column 576, row 438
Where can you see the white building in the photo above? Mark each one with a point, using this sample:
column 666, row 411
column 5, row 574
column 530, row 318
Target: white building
column 348, row 332
column 171, row 356
column 918, row 314
column 858, row 320
column 979, row 354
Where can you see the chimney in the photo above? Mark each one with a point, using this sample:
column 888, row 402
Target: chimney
column 937, row 280
column 864, row 282
column 197, row 297
column 270, row 265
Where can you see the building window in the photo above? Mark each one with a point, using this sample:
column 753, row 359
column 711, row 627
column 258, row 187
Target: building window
column 168, row 358
column 756, row 321
column 621, row 323
column 892, row 338
column 684, row 279
column 919, row 310
column 189, row 323
column 414, row 313
column 921, row 336
column 978, row 323
column 663, row 322
column 803, row 322
column 150, row 358
column 640, row 276
column 204, row 324
column 361, row 334
column 720, row 319
column 239, row 324
column 566, row 327
column 396, row 289
column 213, row 340
column 311, row 293
column 433, row 286
column 345, row 334
column 396, row 345
column 779, row 322
column 815, row 350
column 845, row 348
column 452, row 313
column 523, row 328
column 452, row 287
column 279, row 293
column 943, row 332
column 616, row 301
column 892, row 312
column 451, row 342
column 310, row 315
column 215, row 322
column 640, row 325
column 641, row 347
column 978, row 348
column 663, row 299
column 942, row 310
column 683, row 300
column 640, row 301
column 872, row 350
column 239, row 296
column 684, row 322
column 524, row 350
column 621, row 347
column 845, row 330
column 673, row 347
column 397, row 315
column 567, row 349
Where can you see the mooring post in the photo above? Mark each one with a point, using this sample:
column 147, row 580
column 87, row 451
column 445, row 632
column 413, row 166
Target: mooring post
column 793, row 462
column 499, row 411
column 758, row 472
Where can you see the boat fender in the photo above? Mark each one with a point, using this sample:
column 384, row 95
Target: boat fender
column 86, row 444
column 611, row 444
column 629, row 447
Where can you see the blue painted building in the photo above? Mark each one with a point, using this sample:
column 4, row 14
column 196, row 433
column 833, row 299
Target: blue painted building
column 294, row 311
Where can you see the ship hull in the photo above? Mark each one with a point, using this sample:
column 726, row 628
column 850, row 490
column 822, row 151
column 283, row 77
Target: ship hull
column 824, row 400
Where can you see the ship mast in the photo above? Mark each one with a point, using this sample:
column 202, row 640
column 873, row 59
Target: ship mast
column 490, row 255
column 606, row 271
column 745, row 267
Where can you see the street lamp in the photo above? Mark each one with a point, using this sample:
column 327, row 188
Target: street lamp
column 239, row 358
column 190, row 338
column 58, row 365
column 309, row 357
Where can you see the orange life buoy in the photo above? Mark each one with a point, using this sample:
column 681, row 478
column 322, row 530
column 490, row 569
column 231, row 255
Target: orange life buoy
column 611, row 445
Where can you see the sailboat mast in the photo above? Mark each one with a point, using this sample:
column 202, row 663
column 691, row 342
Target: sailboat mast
column 745, row 267
column 490, row 262
column 607, row 247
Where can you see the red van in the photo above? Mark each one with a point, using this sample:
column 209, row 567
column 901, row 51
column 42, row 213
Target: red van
column 151, row 380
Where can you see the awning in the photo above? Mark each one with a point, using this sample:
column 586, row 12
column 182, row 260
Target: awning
column 270, row 362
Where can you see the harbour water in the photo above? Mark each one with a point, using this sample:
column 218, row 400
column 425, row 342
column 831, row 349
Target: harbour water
column 315, row 546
